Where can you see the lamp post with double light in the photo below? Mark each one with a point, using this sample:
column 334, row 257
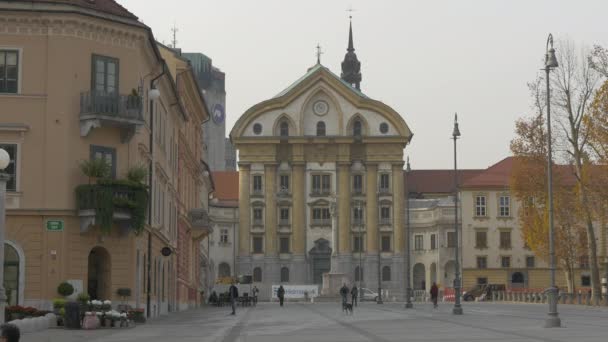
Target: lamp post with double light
column 553, row 320
column 457, row 310
column 5, row 160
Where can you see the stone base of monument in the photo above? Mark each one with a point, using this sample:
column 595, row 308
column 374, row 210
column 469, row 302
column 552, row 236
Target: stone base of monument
column 332, row 282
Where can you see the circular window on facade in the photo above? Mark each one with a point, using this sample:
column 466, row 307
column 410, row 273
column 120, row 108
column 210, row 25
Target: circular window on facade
column 257, row 129
column 384, row 128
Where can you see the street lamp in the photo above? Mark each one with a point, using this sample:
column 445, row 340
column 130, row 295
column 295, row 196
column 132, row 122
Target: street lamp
column 553, row 320
column 408, row 289
column 360, row 245
column 5, row 159
column 379, row 300
column 457, row 307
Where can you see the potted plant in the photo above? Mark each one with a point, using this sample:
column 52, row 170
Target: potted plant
column 137, row 174
column 65, row 289
column 95, row 169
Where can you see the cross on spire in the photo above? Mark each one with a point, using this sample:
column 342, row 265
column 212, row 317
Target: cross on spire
column 319, row 53
column 350, row 10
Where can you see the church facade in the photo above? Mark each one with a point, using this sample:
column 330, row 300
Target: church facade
column 321, row 184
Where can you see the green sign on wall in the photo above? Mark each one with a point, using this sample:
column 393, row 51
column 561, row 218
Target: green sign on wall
column 54, row 225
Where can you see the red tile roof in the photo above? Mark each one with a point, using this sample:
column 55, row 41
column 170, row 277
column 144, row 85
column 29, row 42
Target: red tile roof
column 226, row 185
column 436, row 181
column 106, row 6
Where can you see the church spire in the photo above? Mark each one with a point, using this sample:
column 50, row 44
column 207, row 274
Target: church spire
column 351, row 67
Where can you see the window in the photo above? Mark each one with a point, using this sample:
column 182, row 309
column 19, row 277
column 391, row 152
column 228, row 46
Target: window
column 481, row 239
column 358, row 184
column 284, row 129
column 320, row 215
column 284, row 275
column 357, row 244
column 284, row 245
column 257, row 184
column 224, row 270
column 530, row 262
column 321, row 184
column 451, row 239
column 584, row 262
column 385, row 214
column 224, row 236
column 505, row 240
column 358, row 274
column 585, row 280
column 418, row 242
column 9, row 71
column 358, row 215
column 257, row 275
column 386, row 273
column 105, row 75
column 284, row 183
column 384, row 183
column 386, row 243
column 482, row 281
column 11, row 169
column 482, row 262
column 504, row 206
column 284, row 216
column 384, row 128
column 257, row 129
column 505, row 261
column 357, row 128
column 433, row 241
column 257, row 215
column 106, row 153
column 320, row 129
column 480, row 206
column 258, row 243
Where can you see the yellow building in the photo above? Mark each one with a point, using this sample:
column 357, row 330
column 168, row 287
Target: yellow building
column 76, row 86
column 321, row 149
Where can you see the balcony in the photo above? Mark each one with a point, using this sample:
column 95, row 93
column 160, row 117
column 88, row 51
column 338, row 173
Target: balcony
column 112, row 202
column 201, row 223
column 257, row 193
column 320, row 192
column 320, row 222
column 99, row 109
column 385, row 221
column 284, row 223
column 384, row 191
column 258, row 222
column 283, row 193
column 358, row 221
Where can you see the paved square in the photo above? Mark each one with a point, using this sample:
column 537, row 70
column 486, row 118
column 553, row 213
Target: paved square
column 371, row 322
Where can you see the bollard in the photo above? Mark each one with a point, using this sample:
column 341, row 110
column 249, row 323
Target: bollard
column 579, row 299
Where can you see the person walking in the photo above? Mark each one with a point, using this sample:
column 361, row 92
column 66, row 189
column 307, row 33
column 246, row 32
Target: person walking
column 434, row 294
column 354, row 292
column 255, row 292
column 234, row 294
column 344, row 293
column 281, row 294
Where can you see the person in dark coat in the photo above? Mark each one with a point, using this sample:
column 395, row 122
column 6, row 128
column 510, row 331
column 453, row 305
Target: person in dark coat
column 10, row 333
column 344, row 293
column 234, row 294
column 354, row 292
column 281, row 294
column 434, row 294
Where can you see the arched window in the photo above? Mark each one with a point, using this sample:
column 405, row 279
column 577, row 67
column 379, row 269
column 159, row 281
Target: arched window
column 224, row 270
column 358, row 274
column 386, row 273
column 257, row 275
column 320, row 129
column 357, row 128
column 11, row 274
column 284, row 275
column 517, row 278
column 284, row 129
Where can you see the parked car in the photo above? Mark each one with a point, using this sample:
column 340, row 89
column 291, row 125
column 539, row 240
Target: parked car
column 480, row 290
column 367, row 294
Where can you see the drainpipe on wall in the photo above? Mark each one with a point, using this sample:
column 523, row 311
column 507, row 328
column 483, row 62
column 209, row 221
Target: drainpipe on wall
column 150, row 180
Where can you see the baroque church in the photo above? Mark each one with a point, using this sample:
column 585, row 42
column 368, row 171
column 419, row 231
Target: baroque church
column 321, row 184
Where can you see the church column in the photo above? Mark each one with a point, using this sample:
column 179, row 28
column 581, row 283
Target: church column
column 371, row 209
column 344, row 208
column 299, row 210
column 270, row 193
column 244, row 210
column 398, row 209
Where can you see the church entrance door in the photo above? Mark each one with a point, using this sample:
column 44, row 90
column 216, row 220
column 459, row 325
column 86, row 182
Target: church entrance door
column 320, row 255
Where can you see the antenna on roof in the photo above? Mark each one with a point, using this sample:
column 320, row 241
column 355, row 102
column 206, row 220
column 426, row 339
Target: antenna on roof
column 174, row 41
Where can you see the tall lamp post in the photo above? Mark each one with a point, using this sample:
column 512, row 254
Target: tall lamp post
column 408, row 289
column 457, row 310
column 379, row 300
column 360, row 246
column 553, row 320
column 5, row 159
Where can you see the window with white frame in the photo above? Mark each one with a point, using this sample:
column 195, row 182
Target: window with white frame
column 258, row 214
column 504, row 208
column 257, row 184
column 385, row 214
column 480, row 205
column 284, row 183
column 11, row 169
column 418, row 242
column 321, row 216
column 358, row 184
column 9, row 71
column 384, row 183
column 321, row 184
column 224, row 236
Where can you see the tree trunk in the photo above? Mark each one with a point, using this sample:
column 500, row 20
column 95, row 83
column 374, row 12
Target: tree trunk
column 591, row 243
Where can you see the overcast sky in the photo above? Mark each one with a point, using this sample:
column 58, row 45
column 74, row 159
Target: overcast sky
column 426, row 59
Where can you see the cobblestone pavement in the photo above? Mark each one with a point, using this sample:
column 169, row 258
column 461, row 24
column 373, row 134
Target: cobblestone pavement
column 371, row 322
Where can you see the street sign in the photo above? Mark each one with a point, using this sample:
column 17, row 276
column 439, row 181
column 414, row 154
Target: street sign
column 54, row 225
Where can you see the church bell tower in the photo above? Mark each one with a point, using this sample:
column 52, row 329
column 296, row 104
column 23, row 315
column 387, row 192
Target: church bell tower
column 351, row 67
